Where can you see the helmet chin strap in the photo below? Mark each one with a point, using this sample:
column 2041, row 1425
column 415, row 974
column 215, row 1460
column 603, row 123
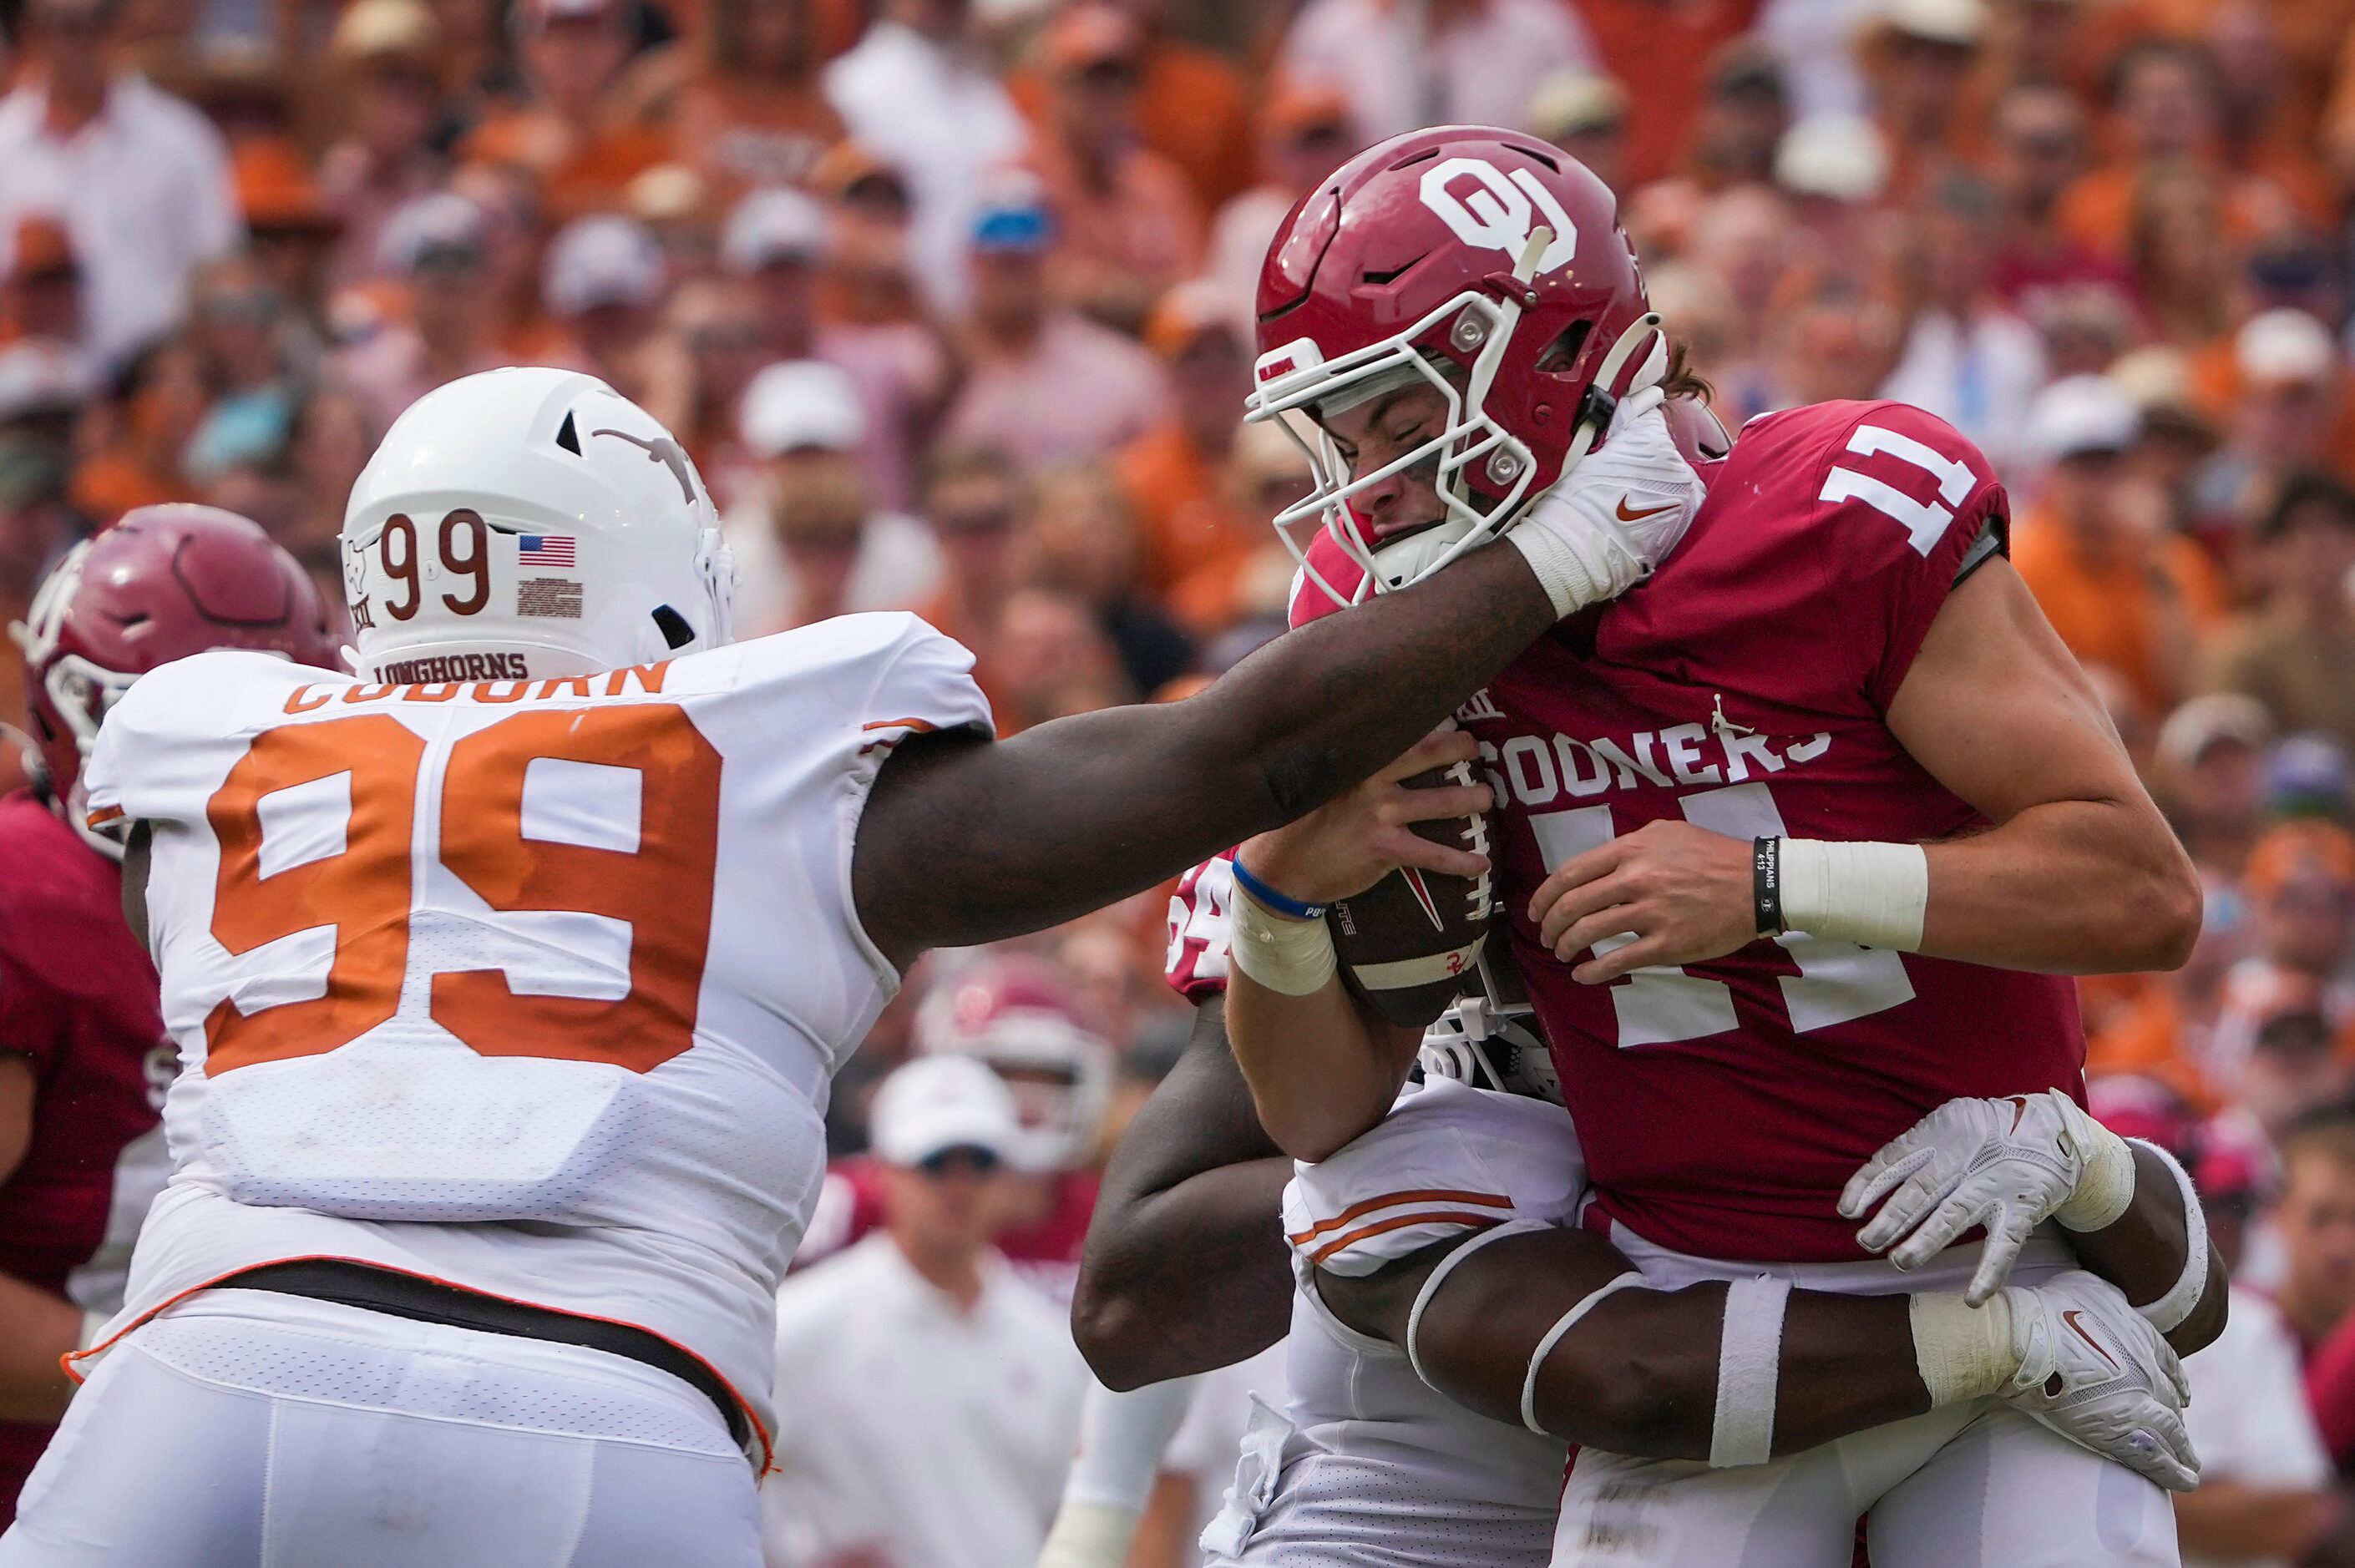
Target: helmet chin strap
column 1601, row 402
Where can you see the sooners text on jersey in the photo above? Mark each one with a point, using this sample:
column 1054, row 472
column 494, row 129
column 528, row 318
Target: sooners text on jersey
column 1744, row 687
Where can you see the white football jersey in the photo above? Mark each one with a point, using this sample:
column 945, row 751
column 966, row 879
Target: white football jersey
column 535, row 986
column 1368, row 1465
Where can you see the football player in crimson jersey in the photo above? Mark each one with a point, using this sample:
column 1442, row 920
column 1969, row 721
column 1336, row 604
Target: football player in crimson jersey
column 1372, row 1461
column 1014, row 1013
column 84, row 1059
column 1797, row 839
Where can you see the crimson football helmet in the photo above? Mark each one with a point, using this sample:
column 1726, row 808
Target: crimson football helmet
column 1485, row 262
column 1015, row 1013
column 161, row 584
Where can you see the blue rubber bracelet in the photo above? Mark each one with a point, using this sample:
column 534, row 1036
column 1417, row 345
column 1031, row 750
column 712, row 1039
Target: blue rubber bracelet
column 1283, row 904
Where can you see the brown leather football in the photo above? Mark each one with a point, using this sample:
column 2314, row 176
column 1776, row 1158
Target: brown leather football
column 1406, row 942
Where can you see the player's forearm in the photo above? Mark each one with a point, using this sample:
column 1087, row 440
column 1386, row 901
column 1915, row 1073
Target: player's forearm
column 1642, row 1379
column 971, row 842
column 37, row 1330
column 1321, row 1071
column 2065, row 887
column 1188, row 1280
column 2143, row 1252
column 1637, row 1374
column 1185, row 1267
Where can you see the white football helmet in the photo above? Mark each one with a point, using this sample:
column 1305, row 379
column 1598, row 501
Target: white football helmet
column 530, row 523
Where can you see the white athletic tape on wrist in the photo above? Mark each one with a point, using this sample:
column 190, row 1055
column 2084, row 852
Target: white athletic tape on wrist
column 1089, row 1535
column 1568, row 582
column 1447, row 1266
column 1962, row 1352
column 1749, row 1366
column 1294, row 956
column 2106, row 1184
column 2168, row 1313
column 1564, row 1325
column 1872, row 894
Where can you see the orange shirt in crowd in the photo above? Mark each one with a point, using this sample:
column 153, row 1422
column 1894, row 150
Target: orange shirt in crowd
column 2134, row 1024
column 577, row 175
column 2097, row 210
column 113, row 481
column 1182, row 518
column 744, row 133
column 2108, row 613
column 1662, row 50
column 1193, row 107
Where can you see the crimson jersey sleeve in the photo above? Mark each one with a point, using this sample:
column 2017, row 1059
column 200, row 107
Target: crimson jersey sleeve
column 1902, row 501
column 1197, row 965
column 29, row 1023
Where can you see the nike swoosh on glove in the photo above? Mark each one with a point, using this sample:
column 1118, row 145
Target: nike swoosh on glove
column 2008, row 1163
column 2092, row 1370
column 1611, row 520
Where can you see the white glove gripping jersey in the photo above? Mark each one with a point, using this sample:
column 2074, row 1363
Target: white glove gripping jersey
column 1370, row 1467
column 535, row 987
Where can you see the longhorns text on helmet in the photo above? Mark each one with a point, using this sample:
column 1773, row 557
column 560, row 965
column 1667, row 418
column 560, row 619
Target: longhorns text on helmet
column 1500, row 248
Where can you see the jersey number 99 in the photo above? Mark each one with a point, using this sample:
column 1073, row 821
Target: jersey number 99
column 661, row 888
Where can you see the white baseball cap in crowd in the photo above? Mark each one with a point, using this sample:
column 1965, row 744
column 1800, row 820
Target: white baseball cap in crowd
column 41, row 376
column 2284, row 346
column 602, row 260
column 2207, row 720
column 2082, row 416
column 1841, row 157
column 440, row 228
column 1960, row 23
column 769, row 227
column 799, row 404
column 936, row 1102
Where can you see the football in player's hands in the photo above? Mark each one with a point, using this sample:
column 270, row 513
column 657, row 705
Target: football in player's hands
column 1406, row 942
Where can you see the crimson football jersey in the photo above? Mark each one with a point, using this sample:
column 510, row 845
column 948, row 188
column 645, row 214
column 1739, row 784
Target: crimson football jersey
column 77, row 999
column 1723, row 1105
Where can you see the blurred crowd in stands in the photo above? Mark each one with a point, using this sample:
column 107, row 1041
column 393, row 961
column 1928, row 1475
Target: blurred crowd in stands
column 951, row 302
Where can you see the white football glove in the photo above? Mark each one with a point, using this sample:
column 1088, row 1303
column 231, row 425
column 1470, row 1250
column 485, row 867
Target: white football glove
column 2009, row 1163
column 2092, row 1370
column 1088, row 1535
column 1613, row 517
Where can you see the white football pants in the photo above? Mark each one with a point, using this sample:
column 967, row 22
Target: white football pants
column 1972, row 1485
column 246, row 1429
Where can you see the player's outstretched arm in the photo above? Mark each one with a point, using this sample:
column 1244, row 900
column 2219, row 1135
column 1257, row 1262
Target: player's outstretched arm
column 964, row 840
column 1549, row 1328
column 1185, row 1267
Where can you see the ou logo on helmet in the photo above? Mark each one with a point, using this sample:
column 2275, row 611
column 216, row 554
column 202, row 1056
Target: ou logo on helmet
column 1495, row 214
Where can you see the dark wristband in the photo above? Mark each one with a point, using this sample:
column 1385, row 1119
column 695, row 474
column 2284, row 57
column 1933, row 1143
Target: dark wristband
column 1281, row 903
column 1765, row 884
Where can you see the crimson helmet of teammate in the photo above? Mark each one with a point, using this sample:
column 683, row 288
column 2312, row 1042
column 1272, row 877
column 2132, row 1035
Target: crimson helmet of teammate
column 164, row 583
column 1015, row 1013
column 1421, row 259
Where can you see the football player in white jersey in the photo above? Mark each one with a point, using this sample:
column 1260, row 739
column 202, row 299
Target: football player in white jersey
column 1426, row 1426
column 510, row 972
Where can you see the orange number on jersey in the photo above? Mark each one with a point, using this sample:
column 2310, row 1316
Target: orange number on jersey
column 662, row 889
column 668, row 875
column 362, row 890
